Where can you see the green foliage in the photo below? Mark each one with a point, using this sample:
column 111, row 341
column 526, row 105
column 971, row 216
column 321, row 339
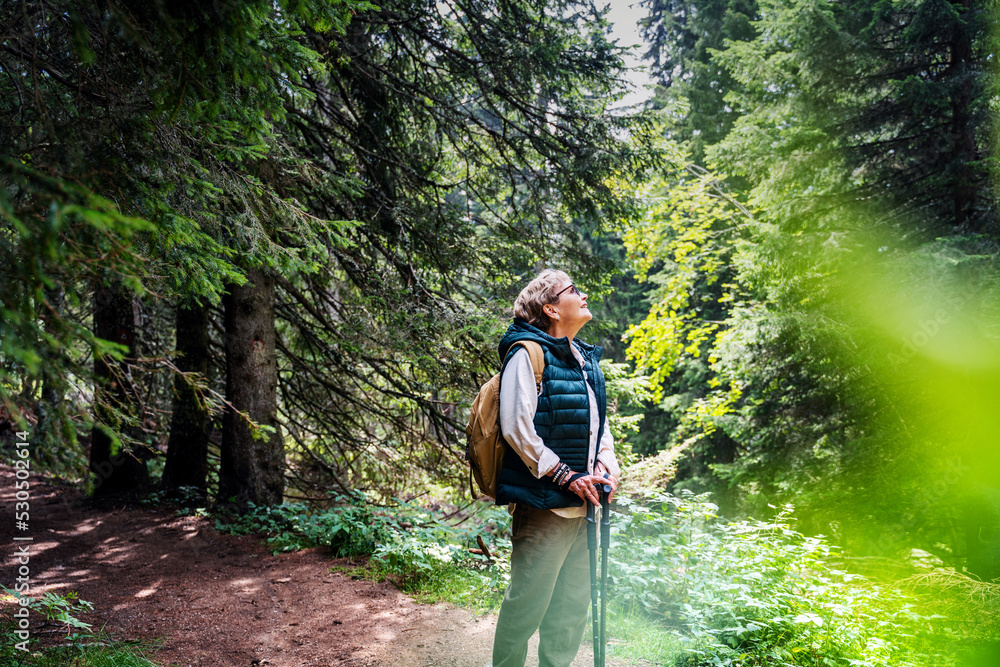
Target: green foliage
column 817, row 367
column 351, row 528
column 760, row 593
column 412, row 546
column 691, row 247
column 98, row 651
column 432, row 560
column 137, row 153
column 625, row 388
column 64, row 609
column 40, row 255
column 780, row 310
column 474, row 583
column 639, row 639
column 844, row 102
column 683, row 36
column 188, row 498
column 687, row 233
column 81, row 647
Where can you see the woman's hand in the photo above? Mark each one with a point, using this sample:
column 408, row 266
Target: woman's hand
column 600, row 470
column 584, row 487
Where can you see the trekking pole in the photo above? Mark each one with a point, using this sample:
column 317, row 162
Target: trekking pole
column 592, row 546
column 598, row 620
column 605, row 543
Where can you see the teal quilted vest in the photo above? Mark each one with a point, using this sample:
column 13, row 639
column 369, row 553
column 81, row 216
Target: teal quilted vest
column 562, row 418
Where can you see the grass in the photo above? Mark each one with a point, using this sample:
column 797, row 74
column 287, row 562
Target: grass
column 635, row 637
column 96, row 650
column 461, row 585
column 78, row 648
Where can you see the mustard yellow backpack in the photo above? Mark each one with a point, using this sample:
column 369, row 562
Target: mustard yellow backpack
column 485, row 445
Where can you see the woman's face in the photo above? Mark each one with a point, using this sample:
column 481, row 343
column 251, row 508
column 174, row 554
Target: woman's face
column 570, row 308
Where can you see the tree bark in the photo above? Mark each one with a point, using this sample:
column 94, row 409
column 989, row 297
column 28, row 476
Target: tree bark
column 187, row 448
column 251, row 468
column 50, row 432
column 964, row 149
column 119, row 469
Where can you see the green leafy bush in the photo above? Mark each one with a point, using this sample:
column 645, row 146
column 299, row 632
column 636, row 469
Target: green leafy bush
column 80, row 646
column 63, row 609
column 351, row 528
column 759, row 593
column 687, row 587
column 435, row 559
column 409, row 544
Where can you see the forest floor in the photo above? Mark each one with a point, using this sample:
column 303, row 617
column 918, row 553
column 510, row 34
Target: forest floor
column 207, row 598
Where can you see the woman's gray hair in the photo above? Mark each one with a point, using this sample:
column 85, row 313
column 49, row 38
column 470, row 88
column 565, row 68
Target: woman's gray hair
column 540, row 291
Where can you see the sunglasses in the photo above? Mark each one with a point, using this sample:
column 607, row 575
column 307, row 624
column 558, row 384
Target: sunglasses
column 571, row 288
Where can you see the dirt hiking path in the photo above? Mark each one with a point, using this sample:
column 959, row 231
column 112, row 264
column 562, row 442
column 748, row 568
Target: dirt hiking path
column 214, row 599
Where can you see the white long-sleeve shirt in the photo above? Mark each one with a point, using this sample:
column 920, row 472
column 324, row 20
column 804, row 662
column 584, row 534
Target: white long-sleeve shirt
column 518, row 402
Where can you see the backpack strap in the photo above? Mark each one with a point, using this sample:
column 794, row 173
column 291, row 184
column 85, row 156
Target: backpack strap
column 537, row 360
column 538, row 366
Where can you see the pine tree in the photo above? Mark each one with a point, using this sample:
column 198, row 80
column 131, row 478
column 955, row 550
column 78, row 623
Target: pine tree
column 392, row 170
column 481, row 146
column 854, row 103
column 683, row 36
column 133, row 138
column 187, row 449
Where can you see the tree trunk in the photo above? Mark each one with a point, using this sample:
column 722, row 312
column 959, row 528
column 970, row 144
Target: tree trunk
column 52, row 432
column 122, row 468
column 252, row 463
column 187, row 449
column 964, row 149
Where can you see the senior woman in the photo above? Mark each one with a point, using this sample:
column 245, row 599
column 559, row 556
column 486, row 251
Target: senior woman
column 560, row 447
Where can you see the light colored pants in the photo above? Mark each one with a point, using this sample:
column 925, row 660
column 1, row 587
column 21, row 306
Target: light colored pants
column 549, row 589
